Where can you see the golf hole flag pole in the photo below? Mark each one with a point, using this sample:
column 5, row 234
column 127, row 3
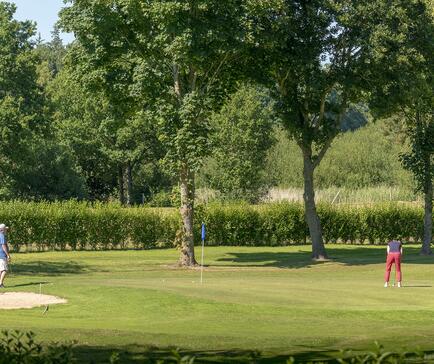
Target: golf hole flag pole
column 203, row 244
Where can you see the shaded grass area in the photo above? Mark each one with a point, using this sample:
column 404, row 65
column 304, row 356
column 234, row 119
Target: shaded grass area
column 272, row 300
column 133, row 354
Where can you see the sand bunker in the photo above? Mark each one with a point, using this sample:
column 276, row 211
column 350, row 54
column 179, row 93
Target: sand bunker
column 15, row 300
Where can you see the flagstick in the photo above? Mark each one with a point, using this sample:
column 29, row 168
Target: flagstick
column 201, row 263
column 203, row 245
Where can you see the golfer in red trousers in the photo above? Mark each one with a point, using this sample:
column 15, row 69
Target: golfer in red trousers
column 394, row 254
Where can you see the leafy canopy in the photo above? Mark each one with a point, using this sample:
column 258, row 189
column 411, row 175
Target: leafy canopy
column 177, row 56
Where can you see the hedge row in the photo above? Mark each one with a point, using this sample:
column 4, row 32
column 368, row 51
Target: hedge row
column 283, row 224
column 74, row 225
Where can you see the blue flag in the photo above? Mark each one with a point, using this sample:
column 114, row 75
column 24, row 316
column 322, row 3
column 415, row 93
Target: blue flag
column 203, row 231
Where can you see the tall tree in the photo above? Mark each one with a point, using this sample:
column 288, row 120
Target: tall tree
column 108, row 142
column 321, row 57
column 76, row 116
column 420, row 161
column 243, row 135
column 20, row 95
column 417, row 105
column 182, row 55
column 409, row 95
column 52, row 53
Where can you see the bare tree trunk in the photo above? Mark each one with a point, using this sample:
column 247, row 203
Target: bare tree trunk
column 121, row 185
column 187, row 258
column 427, row 224
column 312, row 218
column 129, row 177
column 186, row 182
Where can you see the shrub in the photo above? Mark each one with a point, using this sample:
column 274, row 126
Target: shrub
column 75, row 225
column 283, row 223
column 20, row 348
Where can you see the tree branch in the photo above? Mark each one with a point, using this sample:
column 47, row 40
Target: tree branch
column 176, row 82
column 317, row 159
column 220, row 65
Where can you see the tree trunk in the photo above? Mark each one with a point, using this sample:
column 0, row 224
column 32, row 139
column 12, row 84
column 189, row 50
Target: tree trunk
column 312, row 218
column 121, row 185
column 187, row 258
column 427, row 223
column 129, row 176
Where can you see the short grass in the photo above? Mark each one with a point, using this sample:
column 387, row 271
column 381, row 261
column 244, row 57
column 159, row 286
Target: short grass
column 271, row 299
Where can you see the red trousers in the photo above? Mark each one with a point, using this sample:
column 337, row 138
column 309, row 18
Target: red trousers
column 393, row 258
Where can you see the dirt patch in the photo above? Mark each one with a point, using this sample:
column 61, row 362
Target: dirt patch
column 15, row 300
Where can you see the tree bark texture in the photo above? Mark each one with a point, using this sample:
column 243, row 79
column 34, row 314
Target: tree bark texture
column 427, row 221
column 311, row 215
column 129, row 180
column 187, row 258
column 121, row 185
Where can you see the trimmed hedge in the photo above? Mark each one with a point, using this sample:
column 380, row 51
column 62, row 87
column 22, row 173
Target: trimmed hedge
column 283, row 223
column 74, row 225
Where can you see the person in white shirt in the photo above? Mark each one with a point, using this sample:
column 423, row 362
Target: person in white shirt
column 4, row 254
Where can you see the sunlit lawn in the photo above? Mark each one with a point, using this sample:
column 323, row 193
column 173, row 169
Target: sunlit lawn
column 274, row 300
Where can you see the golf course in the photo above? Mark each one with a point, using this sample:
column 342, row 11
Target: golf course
column 272, row 300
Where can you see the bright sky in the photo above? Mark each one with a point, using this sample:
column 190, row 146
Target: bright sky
column 44, row 13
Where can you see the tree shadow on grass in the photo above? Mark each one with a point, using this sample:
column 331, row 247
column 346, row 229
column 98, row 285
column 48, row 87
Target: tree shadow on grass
column 27, row 284
column 136, row 354
column 44, row 268
column 302, row 259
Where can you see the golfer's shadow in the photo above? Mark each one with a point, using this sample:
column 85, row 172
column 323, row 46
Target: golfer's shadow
column 416, row 286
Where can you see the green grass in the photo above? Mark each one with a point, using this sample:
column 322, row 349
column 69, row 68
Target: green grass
column 270, row 299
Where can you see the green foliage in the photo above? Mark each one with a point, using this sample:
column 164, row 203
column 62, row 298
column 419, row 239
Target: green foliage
column 363, row 158
column 409, row 94
column 321, row 59
column 52, row 53
column 18, row 347
column 17, row 61
column 46, row 172
column 165, row 198
column 76, row 117
column 366, row 157
column 284, row 223
column 180, row 55
column 32, row 164
column 174, row 62
column 243, row 135
column 21, row 348
column 102, row 139
column 20, row 96
column 420, row 159
column 75, row 225
column 316, row 58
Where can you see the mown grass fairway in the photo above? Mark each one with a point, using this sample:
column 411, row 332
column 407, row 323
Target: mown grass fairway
column 269, row 299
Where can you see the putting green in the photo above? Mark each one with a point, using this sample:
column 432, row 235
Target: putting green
column 271, row 299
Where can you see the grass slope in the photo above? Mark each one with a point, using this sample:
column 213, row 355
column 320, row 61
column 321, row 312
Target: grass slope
column 270, row 299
